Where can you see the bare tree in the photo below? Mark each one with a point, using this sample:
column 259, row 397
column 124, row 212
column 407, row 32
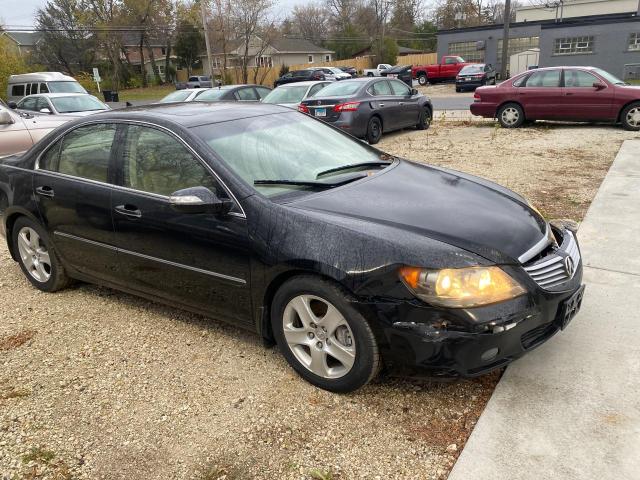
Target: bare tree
column 311, row 22
column 249, row 16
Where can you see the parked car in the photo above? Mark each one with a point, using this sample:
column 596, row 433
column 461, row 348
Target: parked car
column 18, row 132
column 234, row 93
column 20, row 86
column 345, row 256
column 197, row 81
column 474, row 76
column 300, row 76
column 376, row 72
column 447, row 69
column 184, row 95
column 290, row 95
column 368, row 107
column 401, row 72
column 60, row 104
column 333, row 73
column 585, row 94
column 350, row 70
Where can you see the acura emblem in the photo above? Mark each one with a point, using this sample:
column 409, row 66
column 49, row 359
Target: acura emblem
column 569, row 266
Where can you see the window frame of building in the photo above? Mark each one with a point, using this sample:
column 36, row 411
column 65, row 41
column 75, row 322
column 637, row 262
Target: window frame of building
column 467, row 50
column 264, row 61
column 633, row 44
column 309, row 58
column 327, row 58
column 572, row 45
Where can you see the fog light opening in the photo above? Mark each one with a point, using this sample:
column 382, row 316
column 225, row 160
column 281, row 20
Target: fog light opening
column 490, row 354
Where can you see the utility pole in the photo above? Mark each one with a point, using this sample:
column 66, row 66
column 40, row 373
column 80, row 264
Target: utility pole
column 505, row 39
column 205, row 25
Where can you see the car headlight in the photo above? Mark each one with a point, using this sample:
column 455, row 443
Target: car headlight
column 461, row 287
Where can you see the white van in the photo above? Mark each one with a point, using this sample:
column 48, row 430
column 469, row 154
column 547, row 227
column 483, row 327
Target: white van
column 41, row 82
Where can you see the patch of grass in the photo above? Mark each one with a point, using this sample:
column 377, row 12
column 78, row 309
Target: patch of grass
column 635, row 81
column 14, row 341
column 316, row 474
column 38, row 454
column 145, row 94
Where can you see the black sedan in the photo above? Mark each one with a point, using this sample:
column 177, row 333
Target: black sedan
column 350, row 70
column 474, row 76
column 307, row 75
column 348, row 258
column 368, row 107
column 233, row 93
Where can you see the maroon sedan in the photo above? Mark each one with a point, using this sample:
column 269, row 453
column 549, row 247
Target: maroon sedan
column 583, row 94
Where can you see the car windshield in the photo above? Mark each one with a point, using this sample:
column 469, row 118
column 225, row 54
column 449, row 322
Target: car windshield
column 293, row 94
column 337, row 89
column 336, row 70
column 470, row 69
column 290, row 146
column 177, row 96
column 65, row 87
column 609, row 77
column 213, row 94
column 80, row 103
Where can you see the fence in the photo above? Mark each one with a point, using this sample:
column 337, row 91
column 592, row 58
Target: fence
column 417, row 59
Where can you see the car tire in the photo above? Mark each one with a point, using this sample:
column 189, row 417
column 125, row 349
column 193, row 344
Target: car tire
column 630, row 117
column 422, row 79
column 313, row 320
column 425, row 119
column 374, row 130
column 511, row 115
column 36, row 256
column 458, row 89
column 369, row 74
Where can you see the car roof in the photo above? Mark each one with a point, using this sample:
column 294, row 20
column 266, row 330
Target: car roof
column 40, row 77
column 307, row 82
column 192, row 114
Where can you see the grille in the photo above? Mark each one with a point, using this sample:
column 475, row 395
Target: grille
column 539, row 334
column 552, row 270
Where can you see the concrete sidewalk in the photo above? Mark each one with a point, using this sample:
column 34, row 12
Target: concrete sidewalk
column 571, row 408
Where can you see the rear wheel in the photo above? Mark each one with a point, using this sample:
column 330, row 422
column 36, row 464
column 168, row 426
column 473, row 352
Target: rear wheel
column 322, row 337
column 511, row 115
column 369, row 74
column 422, row 79
column 458, row 89
column 374, row 130
column 425, row 119
column 36, row 257
column 630, row 117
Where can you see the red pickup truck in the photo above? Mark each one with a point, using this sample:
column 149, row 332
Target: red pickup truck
column 447, row 69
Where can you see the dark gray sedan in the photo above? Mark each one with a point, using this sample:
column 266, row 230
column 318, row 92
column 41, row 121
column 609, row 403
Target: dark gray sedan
column 367, row 107
column 225, row 93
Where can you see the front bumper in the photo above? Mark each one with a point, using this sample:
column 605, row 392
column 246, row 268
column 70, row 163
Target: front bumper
column 442, row 342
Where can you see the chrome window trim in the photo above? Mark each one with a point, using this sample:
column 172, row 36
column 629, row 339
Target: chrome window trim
column 240, row 281
column 36, row 167
column 538, row 247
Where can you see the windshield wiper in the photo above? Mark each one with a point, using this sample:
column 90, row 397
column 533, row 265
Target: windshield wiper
column 309, row 183
column 350, row 166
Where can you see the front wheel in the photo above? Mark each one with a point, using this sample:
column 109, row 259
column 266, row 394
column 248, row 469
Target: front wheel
column 374, row 130
column 36, row 257
column 422, row 79
column 630, row 117
column 322, row 336
column 511, row 115
column 425, row 119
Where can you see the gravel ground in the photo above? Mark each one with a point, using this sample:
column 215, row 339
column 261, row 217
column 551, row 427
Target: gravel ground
column 99, row 384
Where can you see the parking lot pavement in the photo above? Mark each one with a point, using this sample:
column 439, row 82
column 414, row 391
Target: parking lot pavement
column 571, row 409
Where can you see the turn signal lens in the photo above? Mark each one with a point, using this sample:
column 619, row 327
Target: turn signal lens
column 476, row 97
column 461, row 287
column 346, row 107
column 303, row 108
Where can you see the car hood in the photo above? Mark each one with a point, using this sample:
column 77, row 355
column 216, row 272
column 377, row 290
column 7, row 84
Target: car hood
column 462, row 210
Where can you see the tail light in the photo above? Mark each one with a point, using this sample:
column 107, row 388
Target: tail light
column 303, row 108
column 476, row 97
column 346, row 107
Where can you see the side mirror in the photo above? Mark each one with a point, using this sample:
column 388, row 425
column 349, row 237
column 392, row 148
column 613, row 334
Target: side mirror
column 5, row 118
column 599, row 85
column 199, row 200
column 414, row 91
column 45, row 110
column 12, row 105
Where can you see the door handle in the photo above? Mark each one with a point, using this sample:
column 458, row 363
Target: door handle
column 381, row 105
column 568, row 93
column 400, row 103
column 45, row 191
column 128, row 211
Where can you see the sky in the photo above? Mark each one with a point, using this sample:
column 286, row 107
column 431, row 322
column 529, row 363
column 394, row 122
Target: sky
column 22, row 12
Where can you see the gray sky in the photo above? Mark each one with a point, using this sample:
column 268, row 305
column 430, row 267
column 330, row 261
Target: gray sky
column 22, row 12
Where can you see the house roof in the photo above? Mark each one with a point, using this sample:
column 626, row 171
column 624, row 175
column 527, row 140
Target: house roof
column 24, row 39
column 297, row 45
column 406, row 50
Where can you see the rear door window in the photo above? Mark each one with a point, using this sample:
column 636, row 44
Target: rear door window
column 544, row 78
column 381, row 88
column 245, row 94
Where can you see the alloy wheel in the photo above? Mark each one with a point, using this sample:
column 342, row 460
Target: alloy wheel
column 510, row 116
column 34, row 254
column 319, row 336
column 633, row 117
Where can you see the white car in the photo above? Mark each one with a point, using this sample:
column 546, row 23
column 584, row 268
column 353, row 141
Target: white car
column 376, row 72
column 184, row 95
column 75, row 104
column 339, row 74
column 291, row 94
column 331, row 73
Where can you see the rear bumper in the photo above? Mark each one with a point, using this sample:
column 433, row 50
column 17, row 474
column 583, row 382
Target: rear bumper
column 481, row 109
column 469, row 84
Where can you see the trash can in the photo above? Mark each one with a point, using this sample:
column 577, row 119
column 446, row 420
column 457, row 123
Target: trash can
column 115, row 97
column 107, row 95
column 401, row 72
